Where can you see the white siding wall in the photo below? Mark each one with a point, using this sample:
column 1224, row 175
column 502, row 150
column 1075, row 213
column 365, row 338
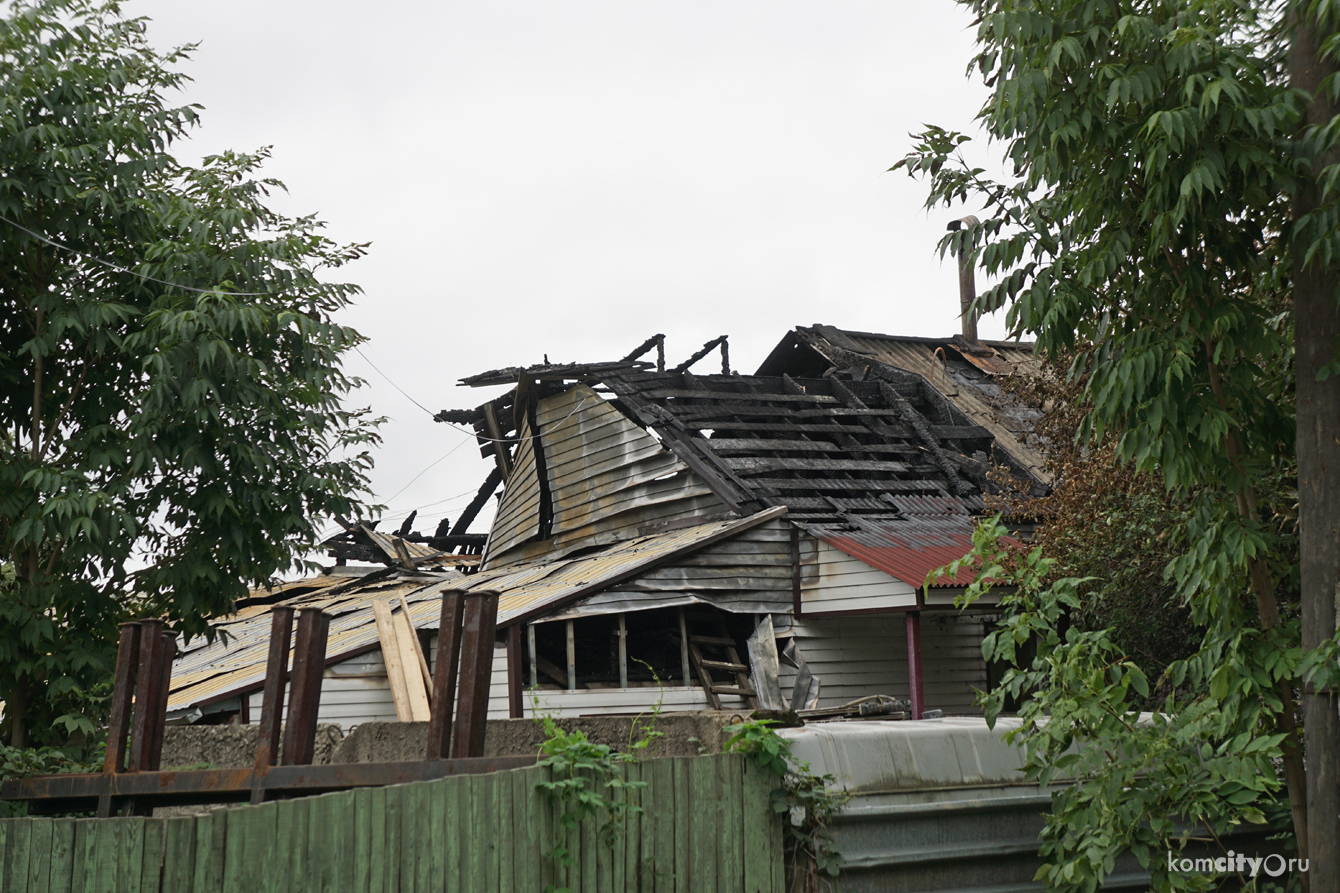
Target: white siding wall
column 832, row 580
column 352, row 692
column 860, row 656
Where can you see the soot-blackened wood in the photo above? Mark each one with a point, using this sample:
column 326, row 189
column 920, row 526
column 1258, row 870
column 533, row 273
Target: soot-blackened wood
column 118, row 727
column 702, row 352
column 146, row 694
column 479, row 627
column 485, row 491
column 309, row 662
column 444, row 674
column 910, row 416
column 272, row 695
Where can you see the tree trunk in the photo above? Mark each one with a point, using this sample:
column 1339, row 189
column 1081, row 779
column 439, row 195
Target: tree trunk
column 1316, row 326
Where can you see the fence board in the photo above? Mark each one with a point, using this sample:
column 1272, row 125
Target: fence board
column 210, row 832
column 39, row 856
column 415, row 856
column 704, row 791
column 701, row 824
column 179, row 854
column 99, row 858
column 151, row 858
column 730, row 780
column 62, row 855
column 129, row 853
column 14, row 864
column 757, row 839
column 395, row 806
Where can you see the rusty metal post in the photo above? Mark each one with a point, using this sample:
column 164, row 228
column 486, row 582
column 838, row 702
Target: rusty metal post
column 146, row 694
column 272, row 695
column 479, row 627
column 118, row 728
column 309, row 662
column 444, row 674
column 167, row 654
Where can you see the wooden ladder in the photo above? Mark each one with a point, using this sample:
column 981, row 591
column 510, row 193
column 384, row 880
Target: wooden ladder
column 726, row 659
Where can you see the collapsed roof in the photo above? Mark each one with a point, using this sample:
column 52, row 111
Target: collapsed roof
column 863, row 453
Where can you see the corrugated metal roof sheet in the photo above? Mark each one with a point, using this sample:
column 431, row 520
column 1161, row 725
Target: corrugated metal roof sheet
column 908, row 549
column 207, row 672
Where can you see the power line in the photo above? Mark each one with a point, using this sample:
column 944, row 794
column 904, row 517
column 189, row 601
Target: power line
column 396, row 386
column 426, row 470
column 128, row 272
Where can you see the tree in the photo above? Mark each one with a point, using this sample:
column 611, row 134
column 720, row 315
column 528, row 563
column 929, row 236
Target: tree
column 1174, row 221
column 170, row 384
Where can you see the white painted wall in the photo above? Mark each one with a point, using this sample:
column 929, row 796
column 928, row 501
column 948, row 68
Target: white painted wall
column 860, row 656
column 832, row 580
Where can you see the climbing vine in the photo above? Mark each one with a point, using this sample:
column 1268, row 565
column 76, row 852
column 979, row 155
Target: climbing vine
column 808, row 800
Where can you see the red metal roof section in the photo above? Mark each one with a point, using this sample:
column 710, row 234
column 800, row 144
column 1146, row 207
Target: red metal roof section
column 933, row 532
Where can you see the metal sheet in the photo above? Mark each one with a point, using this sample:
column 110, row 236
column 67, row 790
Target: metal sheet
column 907, row 549
column 210, row 672
column 518, row 517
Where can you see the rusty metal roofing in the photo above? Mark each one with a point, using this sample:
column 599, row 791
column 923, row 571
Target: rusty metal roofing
column 908, row 549
column 235, row 662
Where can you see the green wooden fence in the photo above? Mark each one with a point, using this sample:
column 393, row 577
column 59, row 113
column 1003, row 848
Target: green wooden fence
column 706, row 825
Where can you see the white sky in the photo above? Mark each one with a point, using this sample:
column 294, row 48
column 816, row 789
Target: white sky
column 571, row 178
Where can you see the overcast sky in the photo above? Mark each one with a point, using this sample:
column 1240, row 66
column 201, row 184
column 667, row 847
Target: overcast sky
column 569, row 178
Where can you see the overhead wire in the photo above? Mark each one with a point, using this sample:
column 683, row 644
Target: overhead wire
column 145, row 276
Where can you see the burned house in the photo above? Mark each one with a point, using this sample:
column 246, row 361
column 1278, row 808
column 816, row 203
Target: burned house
column 699, row 541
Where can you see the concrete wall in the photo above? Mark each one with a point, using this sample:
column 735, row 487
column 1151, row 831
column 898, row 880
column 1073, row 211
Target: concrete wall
column 228, row 747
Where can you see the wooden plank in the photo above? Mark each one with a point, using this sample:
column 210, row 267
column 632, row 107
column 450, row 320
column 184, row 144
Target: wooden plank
column 929, row 486
column 502, row 829
column 751, row 396
column 519, row 846
column 418, row 648
column 487, row 791
column 395, row 669
column 39, row 854
column 707, row 823
column 473, row 859
column 179, row 853
column 724, row 446
column 129, row 852
column 755, row 817
column 455, row 817
column 341, row 819
column 589, row 860
column 79, row 853
column 730, row 837
column 360, row 846
column 14, row 860
column 211, row 832
column 750, row 465
column 151, row 856
column 291, row 847
column 685, row 838
column 418, row 839
column 395, row 841
column 102, row 856
column 378, row 857
column 61, row 878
